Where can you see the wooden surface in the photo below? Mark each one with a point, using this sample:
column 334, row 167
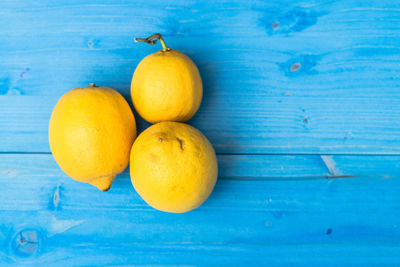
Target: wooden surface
column 301, row 102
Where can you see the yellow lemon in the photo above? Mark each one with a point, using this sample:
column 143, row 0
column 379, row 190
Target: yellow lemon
column 166, row 86
column 91, row 131
column 173, row 167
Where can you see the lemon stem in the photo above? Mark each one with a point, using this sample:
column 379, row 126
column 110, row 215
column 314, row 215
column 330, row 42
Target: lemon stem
column 153, row 39
column 164, row 46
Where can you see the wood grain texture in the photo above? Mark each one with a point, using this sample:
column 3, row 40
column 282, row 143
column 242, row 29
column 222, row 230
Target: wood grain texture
column 301, row 102
column 303, row 219
column 279, row 76
column 24, row 120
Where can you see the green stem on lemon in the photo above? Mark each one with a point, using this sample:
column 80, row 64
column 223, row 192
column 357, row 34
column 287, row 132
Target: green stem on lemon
column 153, row 39
column 93, row 85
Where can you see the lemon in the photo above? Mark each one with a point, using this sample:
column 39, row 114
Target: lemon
column 173, row 167
column 91, row 131
column 166, row 86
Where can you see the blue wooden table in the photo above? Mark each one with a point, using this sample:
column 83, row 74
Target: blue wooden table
column 301, row 102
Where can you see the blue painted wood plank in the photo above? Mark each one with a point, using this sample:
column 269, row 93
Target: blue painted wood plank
column 279, row 76
column 340, row 127
column 244, row 221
